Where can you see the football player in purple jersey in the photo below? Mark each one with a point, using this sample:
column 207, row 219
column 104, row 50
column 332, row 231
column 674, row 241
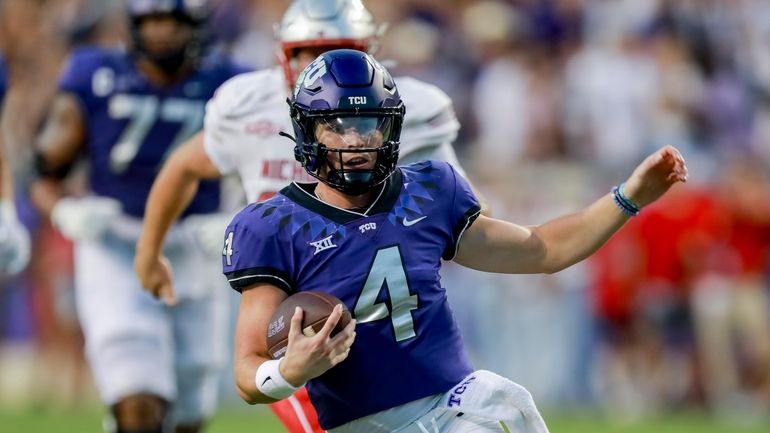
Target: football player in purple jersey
column 241, row 136
column 374, row 235
column 124, row 112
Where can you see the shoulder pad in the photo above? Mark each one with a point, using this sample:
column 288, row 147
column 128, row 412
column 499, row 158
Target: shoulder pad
column 95, row 56
column 239, row 95
column 430, row 119
column 423, row 101
column 83, row 63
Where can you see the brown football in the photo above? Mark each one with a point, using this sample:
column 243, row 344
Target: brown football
column 317, row 306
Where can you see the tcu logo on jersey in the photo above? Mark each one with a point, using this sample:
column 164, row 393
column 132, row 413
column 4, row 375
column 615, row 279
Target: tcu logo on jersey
column 367, row 226
column 358, row 100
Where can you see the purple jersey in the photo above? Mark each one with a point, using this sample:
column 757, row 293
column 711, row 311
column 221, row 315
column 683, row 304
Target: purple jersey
column 384, row 265
column 132, row 125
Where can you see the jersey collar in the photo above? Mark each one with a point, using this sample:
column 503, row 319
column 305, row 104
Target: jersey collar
column 303, row 194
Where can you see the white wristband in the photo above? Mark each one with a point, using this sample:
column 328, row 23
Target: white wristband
column 270, row 381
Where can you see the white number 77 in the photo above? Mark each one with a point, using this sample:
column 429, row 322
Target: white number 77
column 143, row 112
column 388, row 268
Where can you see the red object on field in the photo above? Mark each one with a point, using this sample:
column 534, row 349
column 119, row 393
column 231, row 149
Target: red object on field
column 297, row 413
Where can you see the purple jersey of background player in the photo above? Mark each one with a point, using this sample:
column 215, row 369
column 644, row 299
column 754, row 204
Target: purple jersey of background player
column 132, row 125
column 389, row 258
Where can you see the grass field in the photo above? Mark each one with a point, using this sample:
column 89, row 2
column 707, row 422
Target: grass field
column 259, row 420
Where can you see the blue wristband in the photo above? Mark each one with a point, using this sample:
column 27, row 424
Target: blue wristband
column 627, row 200
column 625, row 204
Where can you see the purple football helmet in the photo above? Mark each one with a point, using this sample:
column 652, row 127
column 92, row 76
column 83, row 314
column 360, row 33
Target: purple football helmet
column 347, row 116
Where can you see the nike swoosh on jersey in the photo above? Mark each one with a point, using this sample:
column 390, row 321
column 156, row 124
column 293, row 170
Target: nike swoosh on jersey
column 408, row 223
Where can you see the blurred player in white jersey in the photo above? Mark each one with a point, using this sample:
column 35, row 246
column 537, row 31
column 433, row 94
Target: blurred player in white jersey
column 241, row 136
column 155, row 366
column 14, row 239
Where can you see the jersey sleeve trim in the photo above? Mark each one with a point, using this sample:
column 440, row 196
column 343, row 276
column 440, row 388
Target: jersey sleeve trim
column 468, row 218
column 244, row 278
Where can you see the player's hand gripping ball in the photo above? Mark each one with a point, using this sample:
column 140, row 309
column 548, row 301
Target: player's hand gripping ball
column 316, row 308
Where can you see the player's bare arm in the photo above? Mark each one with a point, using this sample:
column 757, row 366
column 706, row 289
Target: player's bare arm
column 306, row 357
column 57, row 147
column 171, row 193
column 6, row 190
column 497, row 246
column 6, row 177
column 15, row 243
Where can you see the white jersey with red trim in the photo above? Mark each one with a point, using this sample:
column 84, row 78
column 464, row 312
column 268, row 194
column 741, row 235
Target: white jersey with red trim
column 247, row 112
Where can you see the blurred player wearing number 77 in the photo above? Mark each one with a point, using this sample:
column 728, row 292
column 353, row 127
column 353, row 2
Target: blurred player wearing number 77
column 155, row 366
column 374, row 235
column 241, row 135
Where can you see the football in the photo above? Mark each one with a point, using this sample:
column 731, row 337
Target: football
column 317, row 306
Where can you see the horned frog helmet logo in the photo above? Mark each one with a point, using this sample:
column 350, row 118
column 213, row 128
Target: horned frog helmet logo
column 310, row 74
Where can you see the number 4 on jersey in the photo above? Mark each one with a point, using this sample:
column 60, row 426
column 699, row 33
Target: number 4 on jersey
column 227, row 251
column 388, row 270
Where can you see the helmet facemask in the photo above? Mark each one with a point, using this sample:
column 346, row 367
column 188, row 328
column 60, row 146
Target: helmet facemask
column 288, row 51
column 351, row 153
column 347, row 116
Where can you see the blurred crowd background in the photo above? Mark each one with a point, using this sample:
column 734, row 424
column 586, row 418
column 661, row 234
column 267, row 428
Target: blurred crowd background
column 559, row 100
